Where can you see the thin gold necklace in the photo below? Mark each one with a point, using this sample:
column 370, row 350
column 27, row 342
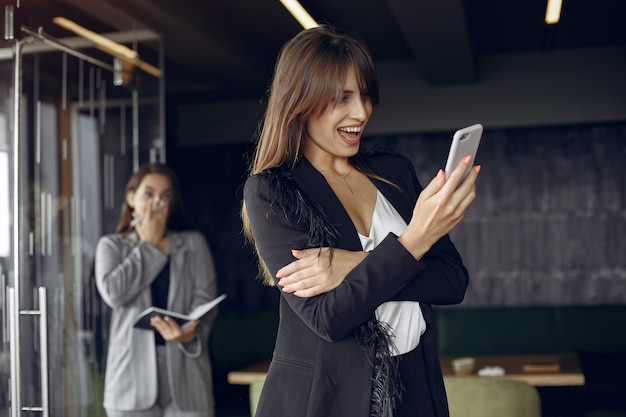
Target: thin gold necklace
column 342, row 177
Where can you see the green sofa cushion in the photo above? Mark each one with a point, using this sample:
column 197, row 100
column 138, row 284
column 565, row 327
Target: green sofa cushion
column 494, row 331
column 531, row 330
column 591, row 328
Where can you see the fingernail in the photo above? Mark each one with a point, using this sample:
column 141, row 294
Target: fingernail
column 280, row 282
column 477, row 168
column 467, row 159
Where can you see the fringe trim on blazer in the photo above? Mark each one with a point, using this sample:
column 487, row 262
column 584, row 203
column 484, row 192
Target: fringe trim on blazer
column 373, row 336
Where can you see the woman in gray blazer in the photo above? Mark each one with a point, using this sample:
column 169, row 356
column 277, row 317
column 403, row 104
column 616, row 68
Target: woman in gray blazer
column 155, row 259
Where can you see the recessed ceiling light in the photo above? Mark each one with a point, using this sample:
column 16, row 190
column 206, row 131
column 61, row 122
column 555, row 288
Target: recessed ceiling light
column 553, row 11
column 301, row 15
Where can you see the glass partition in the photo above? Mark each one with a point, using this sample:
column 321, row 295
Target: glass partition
column 69, row 139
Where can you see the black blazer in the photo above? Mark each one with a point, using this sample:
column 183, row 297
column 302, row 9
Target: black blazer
column 318, row 368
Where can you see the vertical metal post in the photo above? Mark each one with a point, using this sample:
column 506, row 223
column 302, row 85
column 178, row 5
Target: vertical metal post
column 14, row 352
column 9, row 30
column 162, row 100
column 135, row 129
column 17, row 231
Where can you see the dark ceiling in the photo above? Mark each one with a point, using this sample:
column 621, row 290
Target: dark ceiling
column 225, row 49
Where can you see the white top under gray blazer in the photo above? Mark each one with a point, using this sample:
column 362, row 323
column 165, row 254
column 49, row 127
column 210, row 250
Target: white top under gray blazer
column 125, row 268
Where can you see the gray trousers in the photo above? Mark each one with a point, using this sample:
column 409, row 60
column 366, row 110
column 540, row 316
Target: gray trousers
column 164, row 406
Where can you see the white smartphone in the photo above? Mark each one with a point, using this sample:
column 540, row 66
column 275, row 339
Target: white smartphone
column 464, row 142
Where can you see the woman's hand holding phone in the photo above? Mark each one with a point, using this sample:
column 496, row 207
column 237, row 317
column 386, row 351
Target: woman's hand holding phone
column 440, row 207
column 464, row 142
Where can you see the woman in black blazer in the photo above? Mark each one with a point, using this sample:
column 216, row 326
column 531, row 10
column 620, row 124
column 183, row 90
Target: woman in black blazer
column 357, row 339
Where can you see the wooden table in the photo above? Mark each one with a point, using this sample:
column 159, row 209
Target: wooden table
column 568, row 373
column 566, row 368
column 247, row 376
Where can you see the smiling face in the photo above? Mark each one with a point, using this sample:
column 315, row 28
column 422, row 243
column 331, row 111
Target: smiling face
column 153, row 190
column 336, row 132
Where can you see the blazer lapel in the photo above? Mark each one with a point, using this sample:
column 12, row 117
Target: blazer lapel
column 397, row 199
column 401, row 200
column 177, row 262
column 315, row 187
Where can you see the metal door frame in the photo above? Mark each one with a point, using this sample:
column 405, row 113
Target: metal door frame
column 34, row 39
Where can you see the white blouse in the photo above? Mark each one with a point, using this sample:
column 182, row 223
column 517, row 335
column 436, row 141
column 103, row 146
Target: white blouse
column 403, row 317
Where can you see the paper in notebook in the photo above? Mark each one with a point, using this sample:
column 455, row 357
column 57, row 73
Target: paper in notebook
column 143, row 319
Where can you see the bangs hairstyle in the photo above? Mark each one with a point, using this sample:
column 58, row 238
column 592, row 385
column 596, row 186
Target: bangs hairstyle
column 309, row 76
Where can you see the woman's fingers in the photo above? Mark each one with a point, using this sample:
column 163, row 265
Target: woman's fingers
column 303, row 285
column 435, row 185
column 467, row 188
column 304, row 273
column 169, row 329
column 312, row 273
column 152, row 227
column 305, row 259
column 165, row 325
column 444, row 188
column 439, row 208
column 311, row 291
column 456, row 177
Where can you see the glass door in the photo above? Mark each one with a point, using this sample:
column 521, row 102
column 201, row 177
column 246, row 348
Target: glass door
column 69, row 139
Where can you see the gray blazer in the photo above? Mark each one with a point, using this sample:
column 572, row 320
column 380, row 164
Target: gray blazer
column 125, row 268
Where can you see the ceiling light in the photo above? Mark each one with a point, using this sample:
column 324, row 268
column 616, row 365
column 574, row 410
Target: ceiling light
column 112, row 47
column 107, row 45
column 301, row 15
column 553, row 11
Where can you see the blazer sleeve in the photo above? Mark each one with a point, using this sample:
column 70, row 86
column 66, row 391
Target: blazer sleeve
column 121, row 274
column 444, row 280
column 333, row 315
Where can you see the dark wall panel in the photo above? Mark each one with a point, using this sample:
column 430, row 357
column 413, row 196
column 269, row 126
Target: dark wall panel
column 548, row 226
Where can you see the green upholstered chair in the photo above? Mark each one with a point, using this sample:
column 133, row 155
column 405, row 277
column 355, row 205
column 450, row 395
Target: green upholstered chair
column 255, row 393
column 491, row 397
column 472, row 397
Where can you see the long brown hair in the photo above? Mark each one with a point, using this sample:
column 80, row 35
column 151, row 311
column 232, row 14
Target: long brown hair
column 177, row 220
column 309, row 76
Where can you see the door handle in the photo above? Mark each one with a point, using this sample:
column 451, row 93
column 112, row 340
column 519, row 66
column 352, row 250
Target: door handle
column 15, row 356
column 14, row 353
column 43, row 351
